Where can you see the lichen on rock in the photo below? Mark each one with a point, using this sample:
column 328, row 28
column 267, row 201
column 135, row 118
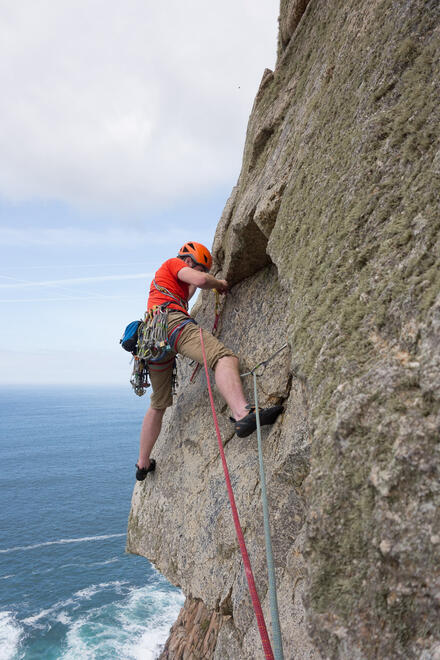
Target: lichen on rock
column 331, row 241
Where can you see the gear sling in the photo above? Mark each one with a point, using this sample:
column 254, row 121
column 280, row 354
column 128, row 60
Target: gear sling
column 153, row 343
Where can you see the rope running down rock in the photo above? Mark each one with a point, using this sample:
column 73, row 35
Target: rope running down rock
column 244, row 553
column 276, row 630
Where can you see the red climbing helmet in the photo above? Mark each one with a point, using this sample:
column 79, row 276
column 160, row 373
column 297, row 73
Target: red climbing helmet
column 198, row 253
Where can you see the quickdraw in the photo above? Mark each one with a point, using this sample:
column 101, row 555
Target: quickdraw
column 139, row 376
column 155, row 344
column 153, row 341
column 264, row 363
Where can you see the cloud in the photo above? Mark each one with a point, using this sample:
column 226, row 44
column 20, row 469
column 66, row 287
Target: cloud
column 135, row 103
column 77, row 236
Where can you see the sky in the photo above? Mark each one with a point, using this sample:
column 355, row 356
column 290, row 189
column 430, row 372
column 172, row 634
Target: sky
column 122, row 128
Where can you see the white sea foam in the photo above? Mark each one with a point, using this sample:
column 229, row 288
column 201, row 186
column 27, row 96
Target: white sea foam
column 85, row 564
column 34, row 620
column 55, row 611
column 148, row 644
column 104, row 563
column 82, row 564
column 88, row 592
column 63, row 618
column 6, row 577
column 84, row 539
column 10, row 634
column 134, row 629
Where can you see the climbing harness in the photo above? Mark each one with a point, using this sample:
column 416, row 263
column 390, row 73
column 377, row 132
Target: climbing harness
column 276, row 631
column 213, row 331
column 154, row 345
column 247, row 565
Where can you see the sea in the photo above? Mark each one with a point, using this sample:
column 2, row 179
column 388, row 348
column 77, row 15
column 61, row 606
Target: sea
column 68, row 589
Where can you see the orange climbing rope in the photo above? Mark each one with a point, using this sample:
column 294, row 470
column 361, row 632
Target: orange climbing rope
column 244, row 553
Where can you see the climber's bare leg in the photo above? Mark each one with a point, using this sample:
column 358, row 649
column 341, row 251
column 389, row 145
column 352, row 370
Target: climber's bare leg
column 228, row 381
column 151, row 427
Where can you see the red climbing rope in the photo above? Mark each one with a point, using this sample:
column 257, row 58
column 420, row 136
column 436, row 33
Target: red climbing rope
column 247, row 564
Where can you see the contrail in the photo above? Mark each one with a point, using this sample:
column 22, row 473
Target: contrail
column 101, row 265
column 73, row 280
column 67, row 298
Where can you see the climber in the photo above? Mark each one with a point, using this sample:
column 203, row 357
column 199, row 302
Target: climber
column 174, row 284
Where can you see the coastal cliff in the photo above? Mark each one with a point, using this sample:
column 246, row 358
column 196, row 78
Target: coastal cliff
column 330, row 240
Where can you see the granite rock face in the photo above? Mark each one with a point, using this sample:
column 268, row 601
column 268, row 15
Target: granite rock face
column 195, row 633
column 331, row 242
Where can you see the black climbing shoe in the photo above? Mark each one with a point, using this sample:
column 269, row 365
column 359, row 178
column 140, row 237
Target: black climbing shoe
column 248, row 424
column 141, row 473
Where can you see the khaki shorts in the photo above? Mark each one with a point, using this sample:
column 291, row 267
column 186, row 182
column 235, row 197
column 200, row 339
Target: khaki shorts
column 188, row 345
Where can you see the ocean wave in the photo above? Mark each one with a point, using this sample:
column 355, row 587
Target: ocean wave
column 63, row 618
column 88, row 592
column 134, row 629
column 146, row 642
column 104, row 563
column 60, row 608
column 84, row 539
column 10, row 634
column 81, row 564
column 46, row 614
